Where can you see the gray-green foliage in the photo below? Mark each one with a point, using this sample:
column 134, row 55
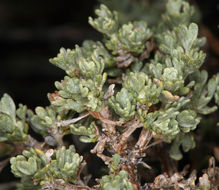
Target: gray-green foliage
column 13, row 125
column 79, row 94
column 30, row 163
column 182, row 57
column 130, row 37
column 157, row 83
column 115, row 162
column 178, row 11
column 170, row 83
column 66, row 164
column 41, row 167
column 116, row 182
column 133, row 36
column 129, row 10
column 88, row 60
column 204, row 91
column 216, row 96
column 169, row 77
column 138, row 88
column 123, row 104
column 82, row 89
column 106, row 22
column 173, row 119
column 88, row 133
column 44, row 120
column 186, row 141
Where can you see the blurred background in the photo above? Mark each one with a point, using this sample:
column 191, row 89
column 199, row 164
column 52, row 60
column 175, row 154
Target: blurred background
column 31, row 32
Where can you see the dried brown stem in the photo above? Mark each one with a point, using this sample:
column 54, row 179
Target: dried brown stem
column 126, row 134
column 109, row 129
column 144, row 139
column 125, row 58
column 154, row 143
column 132, row 174
column 149, row 48
column 99, row 147
column 140, row 147
column 107, row 121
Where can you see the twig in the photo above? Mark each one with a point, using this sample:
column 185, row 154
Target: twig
column 154, row 143
column 144, row 139
column 99, row 147
column 129, row 130
column 108, row 129
column 140, row 147
column 32, row 142
column 109, row 92
column 145, row 165
column 149, row 47
column 71, row 121
column 126, row 134
column 59, row 139
column 110, row 122
column 107, row 121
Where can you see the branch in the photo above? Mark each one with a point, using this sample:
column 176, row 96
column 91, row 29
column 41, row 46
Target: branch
column 144, row 139
column 107, row 121
column 71, row 121
column 126, row 134
column 110, row 92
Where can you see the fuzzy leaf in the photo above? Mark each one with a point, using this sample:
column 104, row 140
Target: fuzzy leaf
column 106, row 22
column 188, row 120
column 123, row 104
column 12, row 127
column 116, row 182
column 133, row 36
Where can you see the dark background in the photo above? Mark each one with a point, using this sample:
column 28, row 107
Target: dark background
column 32, row 31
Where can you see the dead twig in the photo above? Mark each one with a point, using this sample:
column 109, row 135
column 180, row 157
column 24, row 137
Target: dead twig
column 71, row 121
column 149, row 47
column 107, row 121
column 109, row 92
column 121, row 146
column 124, row 59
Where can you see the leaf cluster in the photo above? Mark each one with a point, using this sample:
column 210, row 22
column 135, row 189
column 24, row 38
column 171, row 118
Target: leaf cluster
column 138, row 77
